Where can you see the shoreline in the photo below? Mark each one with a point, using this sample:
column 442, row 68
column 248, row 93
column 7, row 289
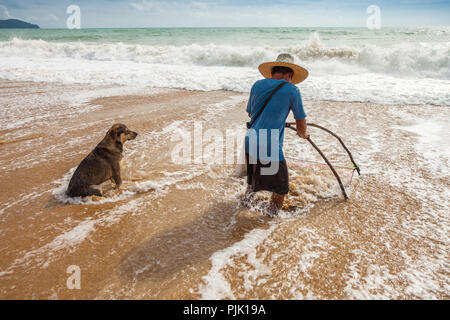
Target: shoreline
column 148, row 90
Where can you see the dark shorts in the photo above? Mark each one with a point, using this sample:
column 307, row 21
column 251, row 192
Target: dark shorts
column 278, row 182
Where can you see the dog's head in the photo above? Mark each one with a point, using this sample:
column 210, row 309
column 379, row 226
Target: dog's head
column 120, row 132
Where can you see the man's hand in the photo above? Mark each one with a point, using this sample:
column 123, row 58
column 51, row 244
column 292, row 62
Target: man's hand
column 301, row 129
column 303, row 135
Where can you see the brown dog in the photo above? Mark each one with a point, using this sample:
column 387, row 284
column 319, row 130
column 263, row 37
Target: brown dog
column 102, row 164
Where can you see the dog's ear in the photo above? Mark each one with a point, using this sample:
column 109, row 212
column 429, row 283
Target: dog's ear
column 115, row 131
column 112, row 133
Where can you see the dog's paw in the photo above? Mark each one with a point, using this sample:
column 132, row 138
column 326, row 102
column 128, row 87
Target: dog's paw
column 97, row 198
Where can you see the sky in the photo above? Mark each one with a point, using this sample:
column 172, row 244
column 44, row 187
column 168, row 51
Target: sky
column 227, row 13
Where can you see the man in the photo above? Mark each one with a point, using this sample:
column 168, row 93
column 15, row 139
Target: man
column 266, row 165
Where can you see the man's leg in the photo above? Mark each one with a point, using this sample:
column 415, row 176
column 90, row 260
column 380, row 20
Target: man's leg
column 276, row 203
column 249, row 194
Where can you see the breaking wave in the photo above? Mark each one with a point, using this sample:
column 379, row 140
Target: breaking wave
column 415, row 59
column 384, row 72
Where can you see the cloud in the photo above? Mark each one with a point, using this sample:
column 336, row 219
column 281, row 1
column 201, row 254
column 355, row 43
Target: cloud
column 164, row 6
column 4, row 13
column 155, row 6
column 15, row 4
column 137, row 6
column 228, row 13
column 53, row 17
column 199, row 5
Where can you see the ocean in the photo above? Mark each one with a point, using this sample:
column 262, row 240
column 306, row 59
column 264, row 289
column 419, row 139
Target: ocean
column 177, row 230
column 388, row 66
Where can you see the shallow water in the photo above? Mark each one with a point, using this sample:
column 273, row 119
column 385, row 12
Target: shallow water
column 180, row 231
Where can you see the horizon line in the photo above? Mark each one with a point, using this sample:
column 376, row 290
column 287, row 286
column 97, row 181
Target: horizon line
column 227, row 27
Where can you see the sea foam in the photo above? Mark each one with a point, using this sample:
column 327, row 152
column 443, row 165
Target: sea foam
column 403, row 72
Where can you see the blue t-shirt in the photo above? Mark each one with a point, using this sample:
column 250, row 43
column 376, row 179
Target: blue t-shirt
column 271, row 122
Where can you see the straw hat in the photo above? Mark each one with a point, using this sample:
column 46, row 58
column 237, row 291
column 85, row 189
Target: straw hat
column 284, row 60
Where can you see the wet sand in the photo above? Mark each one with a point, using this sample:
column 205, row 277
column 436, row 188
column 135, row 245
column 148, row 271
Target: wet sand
column 179, row 231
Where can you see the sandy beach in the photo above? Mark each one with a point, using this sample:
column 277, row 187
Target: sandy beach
column 179, row 232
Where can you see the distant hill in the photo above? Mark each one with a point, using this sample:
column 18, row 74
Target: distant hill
column 17, row 24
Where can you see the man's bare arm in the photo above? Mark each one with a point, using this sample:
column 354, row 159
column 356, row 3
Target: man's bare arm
column 302, row 128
